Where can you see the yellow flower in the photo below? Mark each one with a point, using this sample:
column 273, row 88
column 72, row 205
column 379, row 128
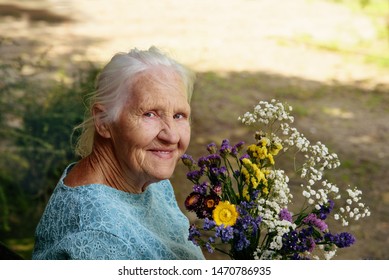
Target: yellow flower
column 254, row 182
column 275, row 148
column 225, row 214
column 246, row 175
column 246, row 193
column 257, row 152
column 253, row 175
column 264, row 141
column 271, row 159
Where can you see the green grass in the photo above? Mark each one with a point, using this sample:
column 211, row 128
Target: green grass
column 22, row 246
column 374, row 51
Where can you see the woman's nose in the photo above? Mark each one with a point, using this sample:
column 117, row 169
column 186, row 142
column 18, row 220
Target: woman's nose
column 169, row 133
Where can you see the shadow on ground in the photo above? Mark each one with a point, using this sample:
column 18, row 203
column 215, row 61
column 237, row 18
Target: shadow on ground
column 32, row 14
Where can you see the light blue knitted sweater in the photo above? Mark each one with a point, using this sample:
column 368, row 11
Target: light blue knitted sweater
column 99, row 222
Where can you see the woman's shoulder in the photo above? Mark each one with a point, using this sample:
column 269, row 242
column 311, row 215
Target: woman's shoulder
column 80, row 174
column 97, row 196
column 99, row 206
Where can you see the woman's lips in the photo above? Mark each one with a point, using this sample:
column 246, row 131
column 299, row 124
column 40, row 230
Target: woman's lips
column 164, row 154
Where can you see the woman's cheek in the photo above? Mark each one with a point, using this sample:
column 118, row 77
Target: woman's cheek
column 185, row 135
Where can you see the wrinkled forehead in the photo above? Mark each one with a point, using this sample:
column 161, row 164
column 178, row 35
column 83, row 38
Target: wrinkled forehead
column 161, row 78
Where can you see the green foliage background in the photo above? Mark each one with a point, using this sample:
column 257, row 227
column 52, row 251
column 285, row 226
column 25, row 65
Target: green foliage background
column 36, row 123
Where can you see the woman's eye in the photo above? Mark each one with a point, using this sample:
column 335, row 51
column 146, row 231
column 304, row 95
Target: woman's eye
column 149, row 114
column 179, row 116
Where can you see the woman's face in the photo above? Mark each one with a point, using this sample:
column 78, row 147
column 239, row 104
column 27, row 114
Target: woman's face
column 153, row 129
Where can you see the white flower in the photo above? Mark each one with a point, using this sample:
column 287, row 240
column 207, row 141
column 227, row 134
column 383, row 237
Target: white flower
column 306, row 194
column 329, row 254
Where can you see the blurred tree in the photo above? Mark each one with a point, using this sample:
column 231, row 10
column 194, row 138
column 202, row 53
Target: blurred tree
column 37, row 117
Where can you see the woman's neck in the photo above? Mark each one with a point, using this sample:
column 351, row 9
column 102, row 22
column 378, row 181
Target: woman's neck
column 102, row 167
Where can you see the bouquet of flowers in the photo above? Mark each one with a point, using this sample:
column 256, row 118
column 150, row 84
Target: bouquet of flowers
column 242, row 199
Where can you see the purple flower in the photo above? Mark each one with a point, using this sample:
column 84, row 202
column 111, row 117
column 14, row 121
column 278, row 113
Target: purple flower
column 246, row 220
column 254, row 195
column 325, row 209
column 248, row 223
column 237, row 148
column 236, row 173
column 212, row 148
column 187, row 160
column 219, row 172
column 194, row 175
column 341, row 240
column 208, row 224
column 241, row 241
column 225, row 148
column 311, row 244
column 294, row 243
column 211, row 160
column 345, row 239
column 244, row 206
column 214, row 160
column 201, row 188
column 244, row 156
column 193, row 233
column 285, row 215
column 209, row 247
column 313, row 220
column 203, row 162
column 217, row 175
column 225, row 233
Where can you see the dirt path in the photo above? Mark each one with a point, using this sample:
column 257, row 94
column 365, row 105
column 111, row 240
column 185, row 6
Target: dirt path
column 231, row 35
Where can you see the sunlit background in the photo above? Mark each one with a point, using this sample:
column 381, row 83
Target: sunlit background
column 329, row 59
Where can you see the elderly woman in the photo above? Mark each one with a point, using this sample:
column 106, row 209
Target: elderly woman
column 117, row 202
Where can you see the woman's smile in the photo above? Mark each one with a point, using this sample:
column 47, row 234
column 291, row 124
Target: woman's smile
column 163, row 153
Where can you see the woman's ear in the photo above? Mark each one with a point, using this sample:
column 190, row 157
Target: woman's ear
column 101, row 125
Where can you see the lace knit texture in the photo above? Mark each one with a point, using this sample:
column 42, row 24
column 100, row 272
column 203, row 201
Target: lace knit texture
column 99, row 222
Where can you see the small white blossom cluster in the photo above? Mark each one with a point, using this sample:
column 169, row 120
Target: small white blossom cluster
column 320, row 196
column 270, row 219
column 354, row 209
column 295, row 138
column 280, row 191
column 265, row 255
column 270, row 209
column 328, row 254
column 268, row 113
column 317, row 160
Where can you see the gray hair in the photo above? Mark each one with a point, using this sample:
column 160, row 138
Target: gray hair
column 112, row 84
